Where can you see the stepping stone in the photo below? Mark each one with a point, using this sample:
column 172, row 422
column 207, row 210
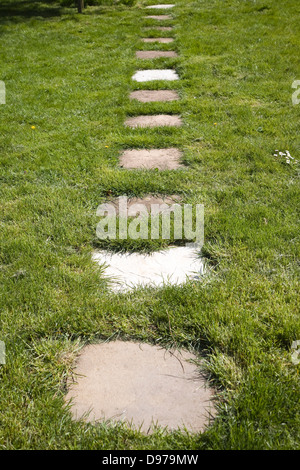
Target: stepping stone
column 162, row 159
column 163, row 6
column 160, row 28
column 173, row 266
column 155, row 54
column 159, row 17
column 147, row 201
column 155, row 74
column 154, row 121
column 148, row 96
column 141, row 385
column 160, row 40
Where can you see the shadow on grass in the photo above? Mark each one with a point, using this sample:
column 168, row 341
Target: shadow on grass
column 20, row 10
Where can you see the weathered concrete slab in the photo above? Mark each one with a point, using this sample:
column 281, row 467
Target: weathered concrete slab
column 162, row 6
column 155, row 74
column 159, row 28
column 160, row 40
column 162, row 159
column 155, row 54
column 158, row 120
column 148, row 201
column 159, row 17
column 173, row 266
column 148, row 96
column 141, row 385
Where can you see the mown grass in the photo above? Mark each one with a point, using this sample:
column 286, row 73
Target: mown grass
column 69, row 76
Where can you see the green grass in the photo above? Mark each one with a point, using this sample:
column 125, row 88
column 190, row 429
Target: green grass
column 69, row 76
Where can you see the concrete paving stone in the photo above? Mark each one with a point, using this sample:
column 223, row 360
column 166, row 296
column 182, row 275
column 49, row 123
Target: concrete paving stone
column 173, row 266
column 161, row 159
column 160, row 40
column 141, row 385
column 159, row 28
column 147, row 201
column 155, row 54
column 162, row 6
column 148, row 96
column 159, row 17
column 155, row 74
column 156, row 120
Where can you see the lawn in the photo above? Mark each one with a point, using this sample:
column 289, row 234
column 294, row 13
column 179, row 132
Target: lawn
column 68, row 79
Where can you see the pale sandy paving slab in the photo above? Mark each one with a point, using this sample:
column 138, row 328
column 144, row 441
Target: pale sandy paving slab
column 161, row 6
column 173, row 266
column 155, row 74
column 160, row 40
column 162, row 159
column 156, row 120
column 148, row 201
column 141, row 385
column 148, row 96
column 159, row 17
column 159, row 28
column 155, row 54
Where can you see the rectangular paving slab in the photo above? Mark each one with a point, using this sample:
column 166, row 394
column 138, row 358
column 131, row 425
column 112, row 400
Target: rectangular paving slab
column 159, row 17
column 159, row 28
column 148, row 96
column 141, row 385
column 173, row 266
column 154, row 54
column 157, row 120
column 162, row 159
column 160, row 40
column 162, row 6
column 155, row 74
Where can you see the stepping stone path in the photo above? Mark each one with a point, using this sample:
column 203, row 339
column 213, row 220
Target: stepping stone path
column 141, row 385
column 161, row 40
column 154, row 121
column 148, row 96
column 154, row 54
column 160, row 28
column 161, row 159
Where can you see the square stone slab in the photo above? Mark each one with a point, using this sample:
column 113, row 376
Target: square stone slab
column 158, row 120
column 155, row 74
column 160, row 40
column 154, row 54
column 162, row 6
column 162, row 159
column 148, row 96
column 159, row 17
column 141, row 385
column 173, row 266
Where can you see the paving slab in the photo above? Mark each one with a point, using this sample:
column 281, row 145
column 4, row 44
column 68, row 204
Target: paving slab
column 141, row 385
column 155, row 74
column 157, row 120
column 160, row 28
column 147, row 201
column 148, row 96
column 155, row 54
column 161, row 159
column 159, row 17
column 162, row 6
column 160, row 40
column 173, row 266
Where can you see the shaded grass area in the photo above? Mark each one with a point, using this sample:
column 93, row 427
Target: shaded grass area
column 237, row 63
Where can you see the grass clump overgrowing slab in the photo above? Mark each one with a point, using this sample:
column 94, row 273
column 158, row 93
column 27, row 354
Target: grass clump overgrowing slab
column 68, row 79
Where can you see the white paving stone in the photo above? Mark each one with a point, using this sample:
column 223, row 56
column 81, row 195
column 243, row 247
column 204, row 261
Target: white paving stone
column 162, row 6
column 155, row 74
column 174, row 265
